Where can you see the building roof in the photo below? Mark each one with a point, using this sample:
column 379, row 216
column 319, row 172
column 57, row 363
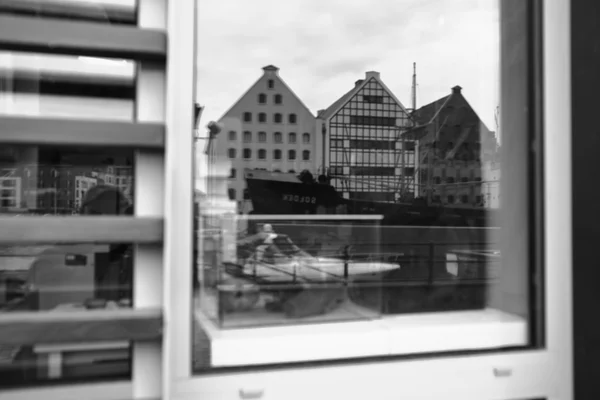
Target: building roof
column 267, row 69
column 428, row 113
column 329, row 111
column 358, row 85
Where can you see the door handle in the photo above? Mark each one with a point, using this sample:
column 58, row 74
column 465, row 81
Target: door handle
column 502, row 372
column 251, row 393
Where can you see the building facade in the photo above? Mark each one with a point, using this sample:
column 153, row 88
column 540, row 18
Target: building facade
column 454, row 149
column 364, row 148
column 269, row 128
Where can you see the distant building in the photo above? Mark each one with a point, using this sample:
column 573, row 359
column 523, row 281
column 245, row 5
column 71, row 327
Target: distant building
column 269, row 128
column 453, row 146
column 490, row 185
column 364, row 148
column 59, row 189
column 10, row 192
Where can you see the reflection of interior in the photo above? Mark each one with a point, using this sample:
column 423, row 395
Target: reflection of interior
column 65, row 278
column 274, row 280
column 51, row 180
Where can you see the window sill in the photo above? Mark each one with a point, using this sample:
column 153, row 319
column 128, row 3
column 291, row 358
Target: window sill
column 389, row 336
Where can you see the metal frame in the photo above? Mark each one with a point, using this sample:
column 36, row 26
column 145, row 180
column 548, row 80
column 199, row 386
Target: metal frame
column 81, row 38
column 105, row 229
column 80, row 327
column 113, row 13
column 71, row 132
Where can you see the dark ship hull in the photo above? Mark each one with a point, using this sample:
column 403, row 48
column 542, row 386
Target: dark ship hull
column 285, row 194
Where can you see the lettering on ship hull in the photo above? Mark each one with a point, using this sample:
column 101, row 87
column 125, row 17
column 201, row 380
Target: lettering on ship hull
column 300, row 199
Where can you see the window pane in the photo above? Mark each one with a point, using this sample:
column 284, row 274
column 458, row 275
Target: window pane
column 46, row 85
column 425, row 173
column 49, row 277
column 47, row 180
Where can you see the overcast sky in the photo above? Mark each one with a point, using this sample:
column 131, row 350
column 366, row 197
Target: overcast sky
column 323, row 46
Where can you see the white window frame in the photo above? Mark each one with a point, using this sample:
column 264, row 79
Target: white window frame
column 522, row 374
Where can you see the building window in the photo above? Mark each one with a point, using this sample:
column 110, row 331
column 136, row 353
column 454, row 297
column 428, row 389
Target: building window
column 370, row 120
column 336, row 171
column 247, row 137
column 231, row 193
column 271, row 83
column 247, row 117
column 262, row 117
column 450, row 179
column 373, row 99
column 437, row 180
column 262, row 154
column 247, row 154
column 306, row 138
column 464, row 179
column 292, row 118
column 262, row 136
column 278, row 99
column 337, row 143
column 450, row 199
column 277, row 137
column 231, row 153
column 277, row 154
column 232, row 135
column 292, row 137
column 291, row 154
column 291, row 171
column 277, row 170
column 262, row 98
column 464, row 199
column 232, row 173
column 372, row 171
column 306, row 155
column 277, row 118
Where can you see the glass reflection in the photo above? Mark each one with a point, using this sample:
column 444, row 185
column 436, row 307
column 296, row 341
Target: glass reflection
column 46, row 180
column 46, row 85
column 390, row 206
column 63, row 278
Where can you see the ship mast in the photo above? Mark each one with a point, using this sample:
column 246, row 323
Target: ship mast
column 414, row 88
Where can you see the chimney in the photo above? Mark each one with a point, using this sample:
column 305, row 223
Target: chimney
column 456, row 89
column 272, row 69
column 372, row 74
column 358, row 82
